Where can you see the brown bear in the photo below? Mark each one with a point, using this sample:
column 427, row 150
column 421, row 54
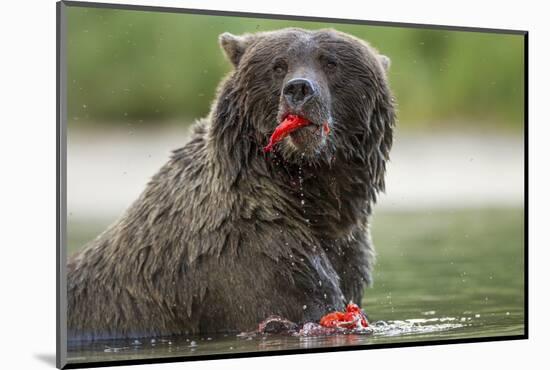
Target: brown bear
column 225, row 235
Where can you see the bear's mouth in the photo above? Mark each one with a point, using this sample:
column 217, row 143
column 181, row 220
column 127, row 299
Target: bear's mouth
column 303, row 132
column 289, row 124
column 310, row 135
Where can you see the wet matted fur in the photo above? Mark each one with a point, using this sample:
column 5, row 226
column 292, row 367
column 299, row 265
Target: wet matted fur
column 225, row 235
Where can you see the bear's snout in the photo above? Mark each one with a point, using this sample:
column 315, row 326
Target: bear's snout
column 298, row 91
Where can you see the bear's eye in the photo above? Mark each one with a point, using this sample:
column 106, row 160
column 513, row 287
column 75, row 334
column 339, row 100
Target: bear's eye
column 331, row 65
column 279, row 67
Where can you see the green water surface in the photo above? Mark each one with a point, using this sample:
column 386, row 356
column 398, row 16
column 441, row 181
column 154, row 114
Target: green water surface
column 439, row 275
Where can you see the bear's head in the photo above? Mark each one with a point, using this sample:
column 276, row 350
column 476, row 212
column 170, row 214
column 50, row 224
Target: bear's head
column 333, row 80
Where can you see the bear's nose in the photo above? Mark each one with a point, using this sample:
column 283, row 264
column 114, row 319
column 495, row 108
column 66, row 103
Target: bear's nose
column 298, row 91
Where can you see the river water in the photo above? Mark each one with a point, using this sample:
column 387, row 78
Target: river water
column 440, row 275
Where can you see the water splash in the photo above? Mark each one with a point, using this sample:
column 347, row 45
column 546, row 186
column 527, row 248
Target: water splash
column 414, row 326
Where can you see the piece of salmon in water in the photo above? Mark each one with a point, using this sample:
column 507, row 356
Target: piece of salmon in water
column 352, row 318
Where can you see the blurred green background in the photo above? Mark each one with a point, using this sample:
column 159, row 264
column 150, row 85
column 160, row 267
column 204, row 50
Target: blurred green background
column 143, row 67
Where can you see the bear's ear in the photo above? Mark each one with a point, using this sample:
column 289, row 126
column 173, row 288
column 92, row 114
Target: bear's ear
column 385, row 61
column 234, row 46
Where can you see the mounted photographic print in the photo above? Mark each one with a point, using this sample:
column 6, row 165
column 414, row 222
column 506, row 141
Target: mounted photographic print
column 235, row 184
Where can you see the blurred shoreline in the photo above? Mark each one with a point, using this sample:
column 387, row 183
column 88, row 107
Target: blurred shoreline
column 108, row 169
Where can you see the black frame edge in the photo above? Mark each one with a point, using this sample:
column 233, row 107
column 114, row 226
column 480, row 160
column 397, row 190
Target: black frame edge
column 526, row 184
column 165, row 9
column 58, row 363
column 61, row 335
column 161, row 360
